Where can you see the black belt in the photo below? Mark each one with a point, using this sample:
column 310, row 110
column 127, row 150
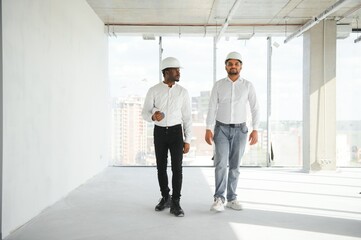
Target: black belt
column 232, row 125
column 169, row 127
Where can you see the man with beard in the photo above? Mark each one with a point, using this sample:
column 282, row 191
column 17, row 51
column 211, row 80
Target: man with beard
column 167, row 104
column 227, row 116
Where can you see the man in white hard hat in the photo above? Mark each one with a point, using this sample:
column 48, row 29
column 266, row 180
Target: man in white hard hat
column 167, row 104
column 227, row 118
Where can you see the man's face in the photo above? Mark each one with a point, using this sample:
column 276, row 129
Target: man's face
column 233, row 67
column 173, row 74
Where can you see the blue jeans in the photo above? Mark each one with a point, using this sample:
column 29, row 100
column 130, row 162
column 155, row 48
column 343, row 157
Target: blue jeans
column 230, row 143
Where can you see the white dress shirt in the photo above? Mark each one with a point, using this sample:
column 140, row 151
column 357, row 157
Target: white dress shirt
column 174, row 102
column 228, row 103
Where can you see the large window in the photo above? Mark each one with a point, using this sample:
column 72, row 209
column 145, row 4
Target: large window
column 348, row 114
column 133, row 69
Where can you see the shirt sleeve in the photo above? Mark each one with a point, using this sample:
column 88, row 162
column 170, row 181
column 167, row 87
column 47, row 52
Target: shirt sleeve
column 254, row 106
column 148, row 107
column 212, row 109
column 187, row 118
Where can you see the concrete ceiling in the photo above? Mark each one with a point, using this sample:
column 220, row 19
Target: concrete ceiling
column 240, row 18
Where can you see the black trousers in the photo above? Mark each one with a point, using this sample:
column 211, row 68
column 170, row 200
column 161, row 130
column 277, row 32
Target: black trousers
column 169, row 138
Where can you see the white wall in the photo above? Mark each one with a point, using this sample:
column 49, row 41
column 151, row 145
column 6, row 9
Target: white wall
column 56, row 103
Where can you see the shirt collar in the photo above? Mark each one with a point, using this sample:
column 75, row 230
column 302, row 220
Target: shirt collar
column 238, row 79
column 166, row 85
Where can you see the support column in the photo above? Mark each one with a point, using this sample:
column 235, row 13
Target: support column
column 319, row 93
column 269, row 98
column 160, row 58
column 1, row 122
column 214, row 59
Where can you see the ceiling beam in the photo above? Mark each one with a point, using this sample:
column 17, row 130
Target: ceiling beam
column 228, row 19
column 349, row 12
column 316, row 20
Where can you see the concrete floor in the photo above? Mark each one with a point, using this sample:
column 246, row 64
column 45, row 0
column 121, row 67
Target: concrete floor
column 278, row 204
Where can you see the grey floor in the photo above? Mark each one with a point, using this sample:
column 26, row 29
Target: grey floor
column 278, row 204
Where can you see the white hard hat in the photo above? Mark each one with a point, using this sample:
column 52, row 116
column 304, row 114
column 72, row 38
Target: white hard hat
column 234, row 55
column 169, row 62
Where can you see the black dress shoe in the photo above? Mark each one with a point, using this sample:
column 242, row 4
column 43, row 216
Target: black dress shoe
column 176, row 209
column 163, row 203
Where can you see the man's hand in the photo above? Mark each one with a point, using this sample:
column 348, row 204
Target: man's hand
column 186, row 147
column 158, row 116
column 209, row 137
column 253, row 137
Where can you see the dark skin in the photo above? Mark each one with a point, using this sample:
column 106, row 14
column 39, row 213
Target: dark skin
column 171, row 75
column 233, row 68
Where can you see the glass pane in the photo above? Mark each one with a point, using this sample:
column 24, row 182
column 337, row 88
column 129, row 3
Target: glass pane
column 348, row 114
column 133, row 68
column 286, row 102
column 196, row 57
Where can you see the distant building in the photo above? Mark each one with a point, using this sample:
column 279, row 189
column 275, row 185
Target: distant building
column 129, row 132
column 200, row 106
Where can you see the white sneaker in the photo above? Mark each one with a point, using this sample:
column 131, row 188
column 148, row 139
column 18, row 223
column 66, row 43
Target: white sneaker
column 218, row 205
column 236, row 205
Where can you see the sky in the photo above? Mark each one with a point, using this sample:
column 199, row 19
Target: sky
column 134, row 62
